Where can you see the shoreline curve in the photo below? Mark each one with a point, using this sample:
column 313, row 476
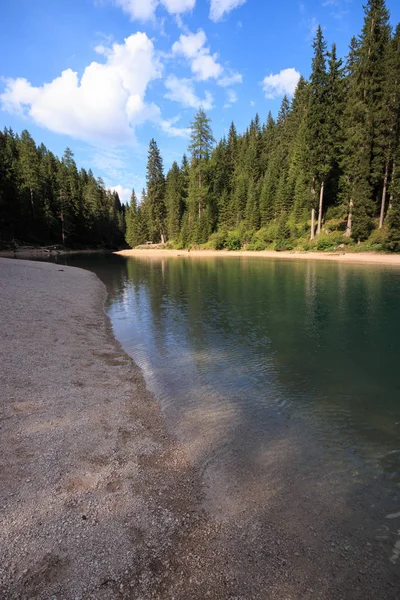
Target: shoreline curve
column 100, row 502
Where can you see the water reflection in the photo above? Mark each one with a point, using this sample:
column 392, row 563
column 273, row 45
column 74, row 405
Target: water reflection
column 247, row 357
column 315, row 340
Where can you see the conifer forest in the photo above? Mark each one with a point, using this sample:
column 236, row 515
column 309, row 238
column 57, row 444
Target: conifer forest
column 323, row 174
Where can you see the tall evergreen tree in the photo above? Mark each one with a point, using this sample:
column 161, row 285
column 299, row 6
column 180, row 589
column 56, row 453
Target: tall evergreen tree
column 363, row 156
column 319, row 143
column 174, row 201
column 156, row 191
column 201, row 144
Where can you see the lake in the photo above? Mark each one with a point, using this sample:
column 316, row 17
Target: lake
column 248, row 355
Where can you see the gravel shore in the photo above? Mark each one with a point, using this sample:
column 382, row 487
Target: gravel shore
column 98, row 501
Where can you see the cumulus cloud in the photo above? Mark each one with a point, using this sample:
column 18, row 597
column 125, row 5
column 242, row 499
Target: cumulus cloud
column 105, row 104
column 144, row 10
column 206, row 67
column 219, row 8
column 190, row 45
column 281, row 83
column 193, row 47
column 141, row 10
column 177, row 7
column 124, row 193
column 182, row 91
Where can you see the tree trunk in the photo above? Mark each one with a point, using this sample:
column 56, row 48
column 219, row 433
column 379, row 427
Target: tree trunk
column 32, row 203
column 349, row 219
column 62, row 228
column 62, row 220
column 162, row 238
column 321, row 200
column 312, row 223
column 383, row 203
column 391, row 191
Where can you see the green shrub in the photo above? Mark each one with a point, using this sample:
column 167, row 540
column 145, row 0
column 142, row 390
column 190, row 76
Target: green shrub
column 257, row 245
column 305, row 246
column 335, row 224
column 266, row 235
column 302, row 229
column 337, row 213
column 217, row 241
column 324, row 243
column 282, row 245
column 392, row 244
column 330, row 241
column 233, row 241
column 378, row 236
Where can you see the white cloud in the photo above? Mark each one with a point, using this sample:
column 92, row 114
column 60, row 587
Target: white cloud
column 219, row 7
column 231, row 98
column 190, row 45
column 203, row 64
column 281, row 83
column 105, row 104
column 229, row 80
column 168, row 127
column 206, row 67
column 182, row 91
column 144, row 10
column 141, row 10
column 123, row 193
column 177, row 7
column 115, row 165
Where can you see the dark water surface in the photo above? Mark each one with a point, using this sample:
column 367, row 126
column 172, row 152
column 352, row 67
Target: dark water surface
column 236, row 350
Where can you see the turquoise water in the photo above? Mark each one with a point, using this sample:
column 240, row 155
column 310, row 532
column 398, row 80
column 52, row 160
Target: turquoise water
column 245, row 343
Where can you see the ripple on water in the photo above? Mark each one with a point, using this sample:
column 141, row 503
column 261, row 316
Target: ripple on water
column 241, row 354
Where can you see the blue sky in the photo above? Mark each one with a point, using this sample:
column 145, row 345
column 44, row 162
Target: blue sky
column 104, row 76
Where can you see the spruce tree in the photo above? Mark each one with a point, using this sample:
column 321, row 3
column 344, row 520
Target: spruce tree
column 363, row 156
column 156, row 192
column 319, row 145
column 391, row 118
column 174, row 201
column 201, row 144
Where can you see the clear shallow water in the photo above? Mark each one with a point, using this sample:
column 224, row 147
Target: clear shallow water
column 237, row 349
column 251, row 338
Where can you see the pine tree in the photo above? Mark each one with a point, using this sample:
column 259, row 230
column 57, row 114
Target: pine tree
column 363, row 159
column 201, row 137
column 156, row 191
column 319, row 143
column 29, row 168
column 174, row 201
column 393, row 238
column 201, row 144
column 390, row 118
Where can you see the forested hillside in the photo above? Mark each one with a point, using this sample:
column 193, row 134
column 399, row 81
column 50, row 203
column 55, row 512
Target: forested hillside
column 333, row 152
column 324, row 173
column 44, row 200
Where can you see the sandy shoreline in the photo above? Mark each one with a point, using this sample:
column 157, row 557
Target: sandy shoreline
column 98, row 501
column 348, row 257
